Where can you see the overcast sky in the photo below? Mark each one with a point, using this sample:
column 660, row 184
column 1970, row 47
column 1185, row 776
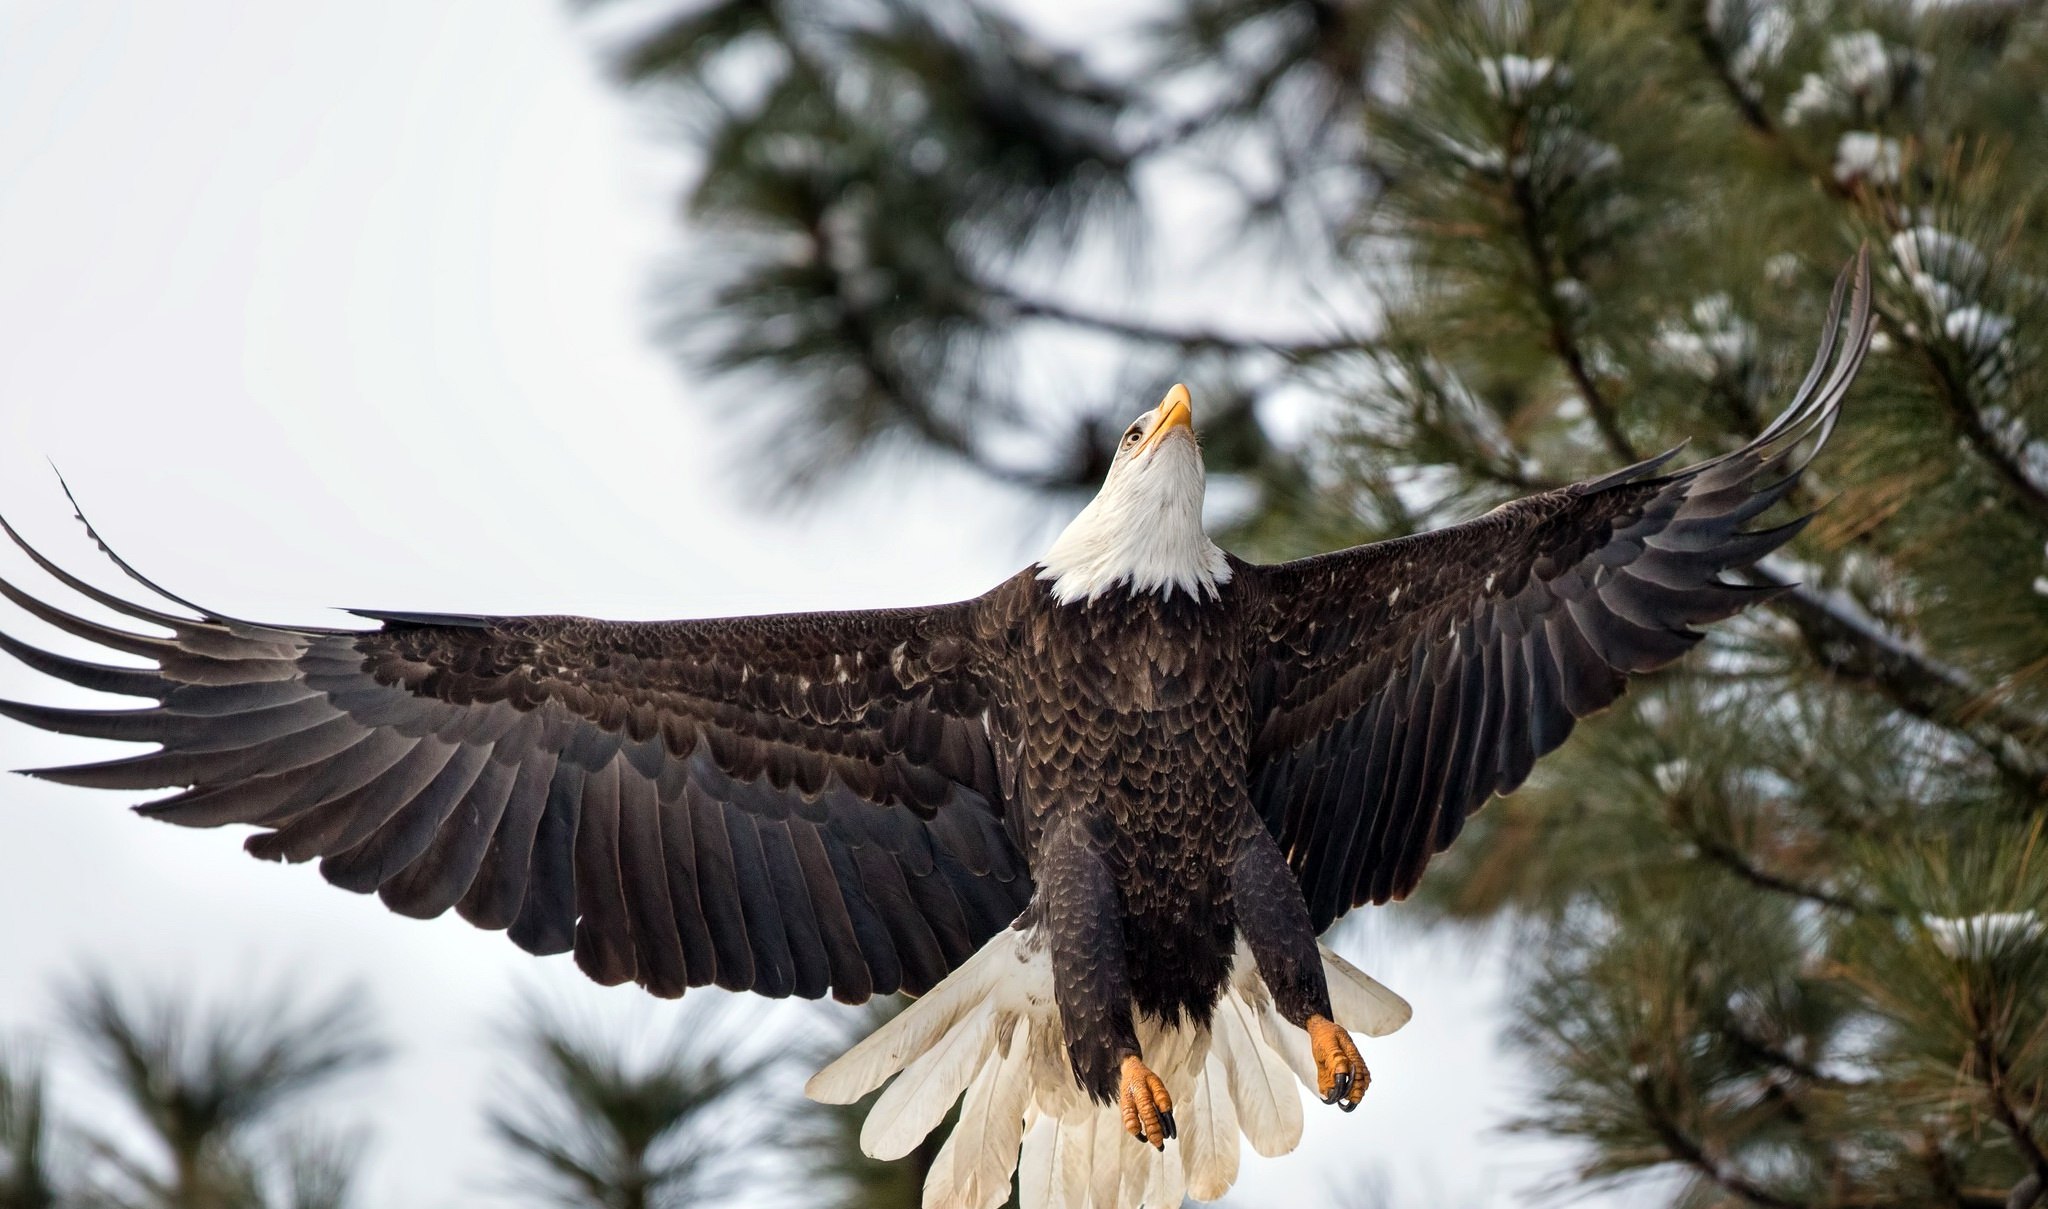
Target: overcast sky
column 322, row 304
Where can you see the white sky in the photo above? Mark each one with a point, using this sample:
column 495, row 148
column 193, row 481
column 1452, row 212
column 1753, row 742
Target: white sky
column 344, row 303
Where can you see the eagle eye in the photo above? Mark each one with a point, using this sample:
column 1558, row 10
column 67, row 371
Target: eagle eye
column 1132, row 434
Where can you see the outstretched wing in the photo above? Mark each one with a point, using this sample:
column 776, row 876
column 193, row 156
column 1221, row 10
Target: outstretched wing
column 1401, row 684
column 790, row 805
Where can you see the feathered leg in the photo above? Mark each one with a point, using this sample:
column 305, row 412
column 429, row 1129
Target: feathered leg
column 1092, row 983
column 1273, row 918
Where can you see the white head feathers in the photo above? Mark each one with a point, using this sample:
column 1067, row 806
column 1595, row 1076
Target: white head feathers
column 1144, row 528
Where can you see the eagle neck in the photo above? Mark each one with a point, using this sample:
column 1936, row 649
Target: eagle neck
column 1142, row 541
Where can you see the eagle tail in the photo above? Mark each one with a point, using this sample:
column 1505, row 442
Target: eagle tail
column 989, row 1036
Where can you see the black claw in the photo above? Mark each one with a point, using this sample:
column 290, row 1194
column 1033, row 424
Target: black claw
column 1166, row 1125
column 1347, row 1105
column 1341, row 1087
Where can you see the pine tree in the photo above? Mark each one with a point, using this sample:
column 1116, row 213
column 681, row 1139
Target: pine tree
column 27, row 1176
column 620, row 1122
column 212, row 1095
column 1784, row 906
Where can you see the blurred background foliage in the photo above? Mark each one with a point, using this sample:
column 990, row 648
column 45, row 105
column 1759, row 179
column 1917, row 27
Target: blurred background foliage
column 1781, row 912
column 234, row 1106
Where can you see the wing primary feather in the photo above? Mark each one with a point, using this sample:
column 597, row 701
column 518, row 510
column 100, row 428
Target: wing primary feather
column 169, row 769
column 1623, row 642
column 643, row 876
column 1413, row 752
column 1442, row 727
column 718, row 890
column 102, row 598
column 1670, row 570
column 877, row 942
column 99, row 677
column 923, row 964
column 1586, row 684
column 199, row 734
column 810, row 971
column 220, row 700
column 347, row 820
column 546, row 922
column 129, row 570
column 247, row 801
column 494, row 899
column 774, row 971
column 438, row 878
column 369, row 757
column 679, row 848
column 386, row 851
column 92, row 631
column 847, row 968
column 604, row 932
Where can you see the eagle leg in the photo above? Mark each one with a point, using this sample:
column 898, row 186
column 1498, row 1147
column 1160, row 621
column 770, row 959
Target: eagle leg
column 1274, row 921
column 1148, row 1110
column 1341, row 1077
column 1077, row 902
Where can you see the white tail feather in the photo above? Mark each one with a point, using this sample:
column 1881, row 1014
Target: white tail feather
column 1268, row 1107
column 973, row 1167
column 992, row 1032
column 888, row 1049
column 918, row 1100
column 1358, row 1000
column 1209, row 1134
column 1038, row 1164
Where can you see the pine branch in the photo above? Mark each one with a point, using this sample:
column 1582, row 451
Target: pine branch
column 1992, row 1071
column 1953, row 392
column 1732, row 859
column 1700, row 31
column 1563, row 339
column 1195, row 339
column 1759, row 1050
column 1969, row 421
column 914, row 409
column 1941, row 1174
column 1693, row 1152
column 1857, row 650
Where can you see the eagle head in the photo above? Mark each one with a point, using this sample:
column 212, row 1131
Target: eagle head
column 1143, row 530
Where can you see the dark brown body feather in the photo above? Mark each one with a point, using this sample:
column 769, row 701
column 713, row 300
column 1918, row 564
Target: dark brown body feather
column 1122, row 724
column 852, row 803
column 1120, row 730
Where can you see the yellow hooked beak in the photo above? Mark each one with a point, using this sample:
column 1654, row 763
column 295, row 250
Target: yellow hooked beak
column 1175, row 411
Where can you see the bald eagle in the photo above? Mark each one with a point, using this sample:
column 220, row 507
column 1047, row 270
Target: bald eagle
column 1095, row 819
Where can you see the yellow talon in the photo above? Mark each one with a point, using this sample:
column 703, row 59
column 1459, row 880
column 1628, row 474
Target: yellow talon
column 1148, row 1110
column 1341, row 1077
